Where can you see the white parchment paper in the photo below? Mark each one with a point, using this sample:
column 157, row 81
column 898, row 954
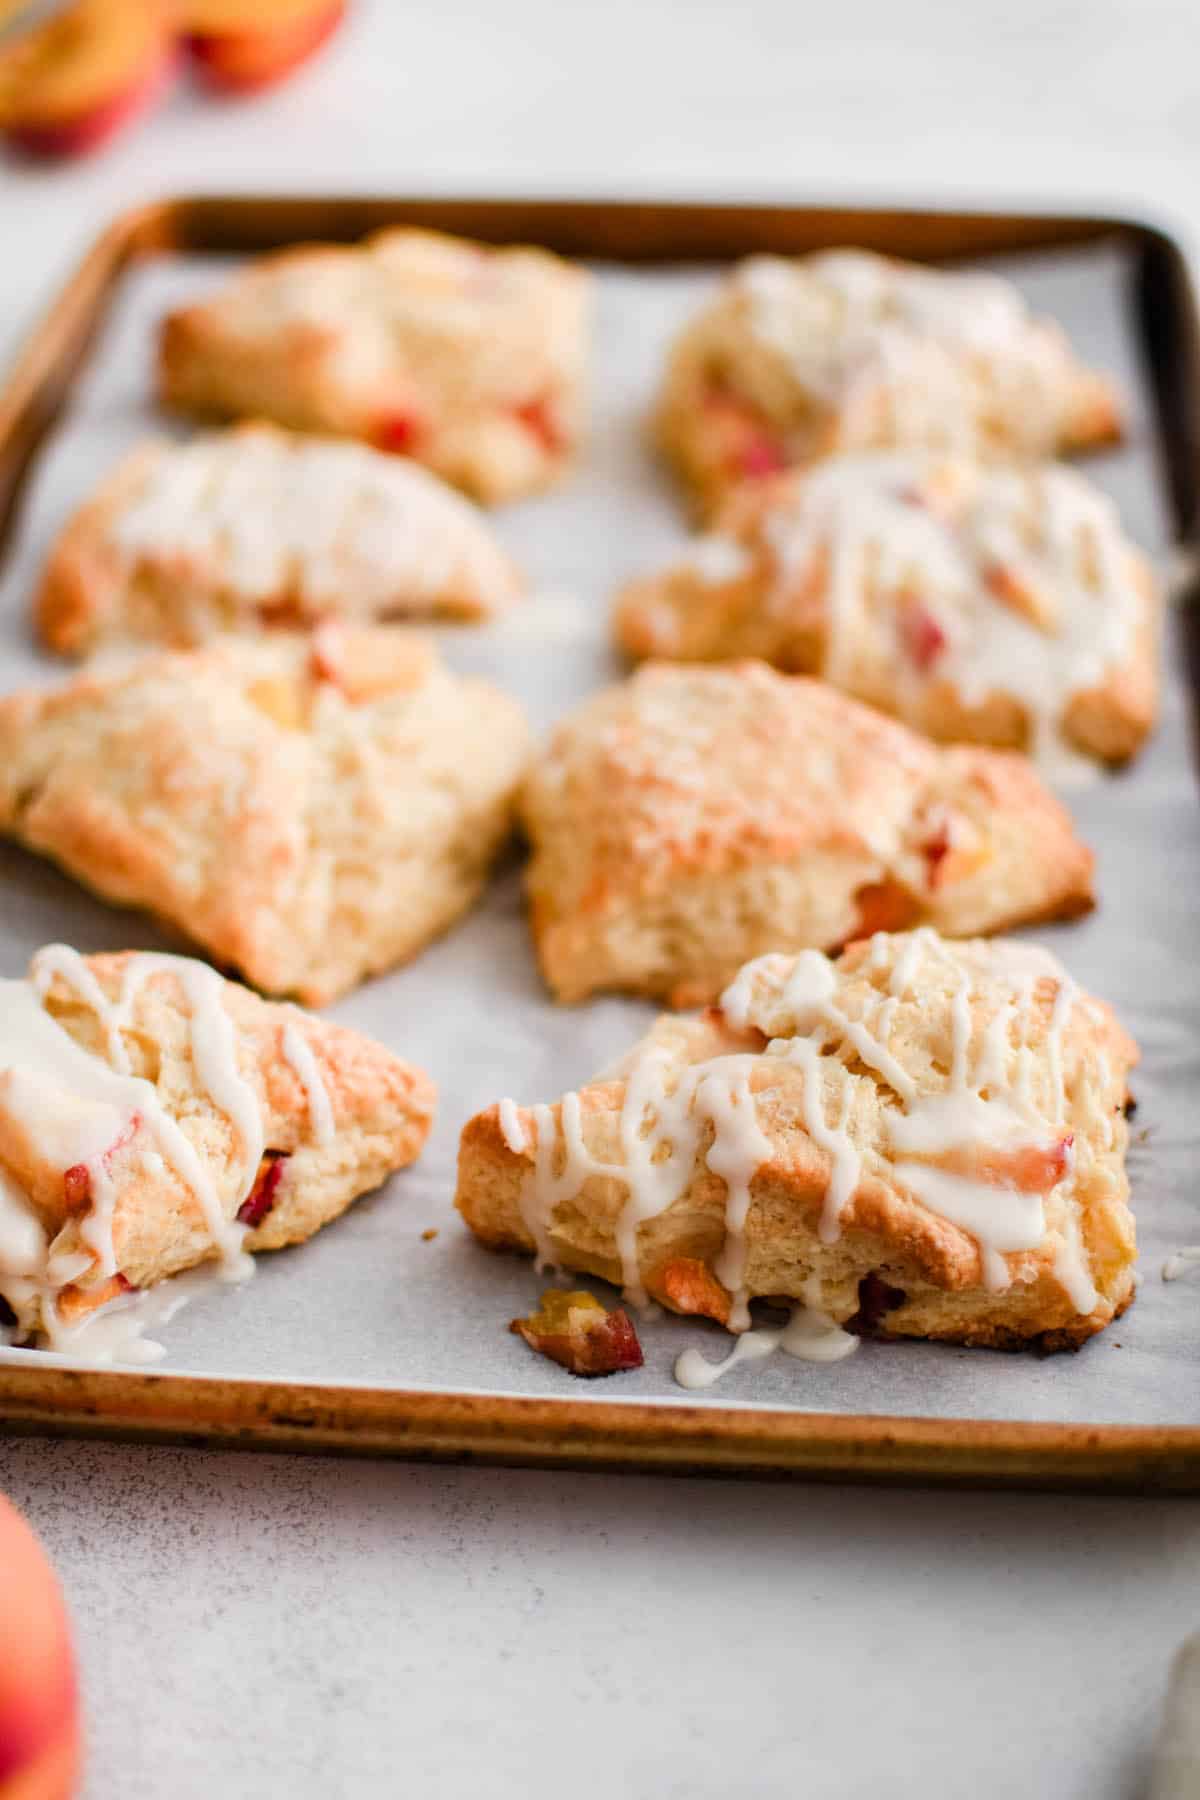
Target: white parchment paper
column 369, row 1300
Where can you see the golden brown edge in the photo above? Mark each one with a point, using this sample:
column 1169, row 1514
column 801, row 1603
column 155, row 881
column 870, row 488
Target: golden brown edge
column 497, row 1428
column 651, row 1438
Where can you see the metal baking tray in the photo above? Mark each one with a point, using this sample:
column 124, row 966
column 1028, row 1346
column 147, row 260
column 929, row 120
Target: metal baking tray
column 375, row 1339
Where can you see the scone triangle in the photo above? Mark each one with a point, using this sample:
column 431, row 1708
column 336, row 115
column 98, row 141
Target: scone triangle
column 923, row 1138
column 692, row 818
column 310, row 811
column 154, row 1116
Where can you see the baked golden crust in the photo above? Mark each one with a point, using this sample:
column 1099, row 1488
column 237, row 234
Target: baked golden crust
column 694, row 817
column 256, row 527
column 796, row 359
column 322, row 1111
column 470, row 359
column 996, row 605
column 929, row 1138
column 309, row 811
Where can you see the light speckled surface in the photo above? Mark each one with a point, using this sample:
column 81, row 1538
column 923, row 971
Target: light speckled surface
column 263, row 1626
column 296, row 1628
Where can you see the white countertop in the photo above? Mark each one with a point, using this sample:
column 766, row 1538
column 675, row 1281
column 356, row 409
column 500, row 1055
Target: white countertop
column 269, row 1626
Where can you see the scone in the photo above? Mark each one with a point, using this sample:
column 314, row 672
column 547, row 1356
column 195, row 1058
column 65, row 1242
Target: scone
column 154, row 1116
column 309, row 811
column 470, row 359
column 256, row 527
column 694, row 817
column 922, row 1138
column 794, row 359
column 997, row 605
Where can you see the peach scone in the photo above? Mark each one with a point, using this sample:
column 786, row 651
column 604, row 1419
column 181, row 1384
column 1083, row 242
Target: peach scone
column 796, row 358
column 256, row 527
column 921, row 1139
column 998, row 605
column 693, row 817
column 154, row 1116
column 472, row 360
column 310, row 811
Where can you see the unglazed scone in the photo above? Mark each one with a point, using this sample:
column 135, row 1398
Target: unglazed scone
column 794, row 359
column 154, row 1116
column 993, row 604
column 470, row 359
column 256, row 527
column 694, row 817
column 309, row 811
column 922, row 1138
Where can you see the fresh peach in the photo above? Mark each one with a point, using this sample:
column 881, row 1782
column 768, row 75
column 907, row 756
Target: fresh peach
column 240, row 55
column 70, row 84
column 39, row 1712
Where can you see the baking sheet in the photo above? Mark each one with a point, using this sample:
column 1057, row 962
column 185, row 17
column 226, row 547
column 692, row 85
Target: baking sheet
column 369, row 1301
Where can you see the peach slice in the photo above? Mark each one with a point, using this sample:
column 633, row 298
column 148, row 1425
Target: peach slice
column 39, row 1708
column 574, row 1330
column 70, row 84
column 241, row 54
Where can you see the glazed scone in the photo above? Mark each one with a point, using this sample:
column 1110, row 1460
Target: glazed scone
column 983, row 603
column 154, row 1116
column 308, row 811
column 694, row 817
column 794, row 359
column 471, row 360
column 256, row 527
column 922, row 1138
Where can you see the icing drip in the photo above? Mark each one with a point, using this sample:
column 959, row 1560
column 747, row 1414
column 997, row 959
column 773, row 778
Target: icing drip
column 660, row 1131
column 1013, row 581
column 297, row 1052
column 329, row 524
column 982, row 1116
column 908, row 354
column 75, row 1111
column 810, row 1335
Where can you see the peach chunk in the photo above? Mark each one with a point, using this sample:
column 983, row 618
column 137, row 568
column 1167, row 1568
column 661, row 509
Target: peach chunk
column 575, row 1330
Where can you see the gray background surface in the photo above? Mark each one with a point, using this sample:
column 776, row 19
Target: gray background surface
column 262, row 1626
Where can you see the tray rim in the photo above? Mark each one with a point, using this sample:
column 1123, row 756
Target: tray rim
column 453, row 1425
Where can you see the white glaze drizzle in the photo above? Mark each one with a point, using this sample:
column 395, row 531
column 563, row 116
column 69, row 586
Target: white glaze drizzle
column 887, row 547
column 810, row 1335
column 298, row 1054
column 324, row 522
column 665, row 1110
column 909, row 354
column 75, row 1108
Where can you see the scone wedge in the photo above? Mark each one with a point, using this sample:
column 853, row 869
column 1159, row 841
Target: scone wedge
column 472, row 360
column 310, row 811
column 694, row 817
column 920, row 1139
column 154, row 1116
column 992, row 604
column 254, row 527
column 798, row 358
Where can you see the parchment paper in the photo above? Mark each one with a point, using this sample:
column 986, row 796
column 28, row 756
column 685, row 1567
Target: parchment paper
column 368, row 1300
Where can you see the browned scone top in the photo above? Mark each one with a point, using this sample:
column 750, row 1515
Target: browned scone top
column 310, row 811
column 470, row 359
column 693, row 817
column 798, row 358
column 927, row 1137
column 154, row 1116
column 255, row 527
column 998, row 604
